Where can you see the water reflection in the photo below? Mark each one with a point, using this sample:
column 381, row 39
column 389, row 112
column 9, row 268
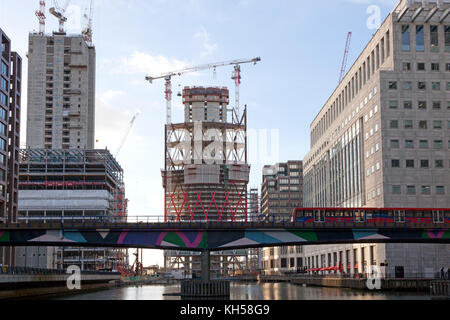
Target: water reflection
column 253, row 291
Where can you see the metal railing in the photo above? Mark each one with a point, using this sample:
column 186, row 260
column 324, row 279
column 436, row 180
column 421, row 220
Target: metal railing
column 7, row 270
column 249, row 220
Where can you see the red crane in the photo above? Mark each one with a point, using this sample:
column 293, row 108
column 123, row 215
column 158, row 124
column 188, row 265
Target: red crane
column 344, row 61
column 40, row 14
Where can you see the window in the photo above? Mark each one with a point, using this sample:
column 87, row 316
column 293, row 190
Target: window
column 406, row 40
column 421, row 85
column 436, row 104
column 426, row 190
column 408, row 124
column 447, row 37
column 434, row 66
column 447, row 87
column 437, row 124
column 410, row 163
column 409, row 144
column 395, row 144
column 396, row 190
column 394, row 124
column 393, row 104
column 423, row 124
column 447, row 67
column 3, row 84
column 420, row 41
column 424, row 163
column 395, row 163
column 422, row 105
column 406, row 66
column 2, row 114
column 4, row 69
column 434, row 39
column 439, row 164
column 437, row 144
column 392, row 85
column 440, row 190
column 423, row 144
column 407, row 104
column 3, row 98
column 436, row 86
column 411, row 190
column 407, row 85
column 420, row 66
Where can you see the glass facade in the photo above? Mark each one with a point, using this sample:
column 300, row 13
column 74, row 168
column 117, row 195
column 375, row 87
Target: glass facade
column 337, row 179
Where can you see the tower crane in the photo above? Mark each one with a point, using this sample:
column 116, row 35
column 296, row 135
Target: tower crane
column 344, row 61
column 130, row 126
column 168, row 78
column 40, row 14
column 59, row 12
column 87, row 31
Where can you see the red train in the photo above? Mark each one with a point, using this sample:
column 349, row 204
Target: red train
column 372, row 215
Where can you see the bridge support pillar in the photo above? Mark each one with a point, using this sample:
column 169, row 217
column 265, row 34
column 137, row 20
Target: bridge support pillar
column 206, row 265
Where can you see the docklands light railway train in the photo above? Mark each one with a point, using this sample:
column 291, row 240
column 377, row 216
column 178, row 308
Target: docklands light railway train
column 373, row 216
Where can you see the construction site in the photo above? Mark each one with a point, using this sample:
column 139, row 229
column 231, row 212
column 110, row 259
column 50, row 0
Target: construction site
column 70, row 185
column 206, row 173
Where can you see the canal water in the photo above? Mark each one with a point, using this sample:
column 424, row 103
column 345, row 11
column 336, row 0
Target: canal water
column 253, row 291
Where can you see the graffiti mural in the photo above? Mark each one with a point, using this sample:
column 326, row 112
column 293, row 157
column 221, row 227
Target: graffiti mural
column 214, row 239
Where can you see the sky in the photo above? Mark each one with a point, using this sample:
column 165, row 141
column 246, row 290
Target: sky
column 301, row 45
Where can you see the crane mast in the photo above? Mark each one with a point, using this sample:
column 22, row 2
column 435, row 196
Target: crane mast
column 40, row 14
column 344, row 61
column 130, row 126
column 87, row 31
column 168, row 78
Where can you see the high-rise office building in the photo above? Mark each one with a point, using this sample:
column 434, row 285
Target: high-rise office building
column 383, row 138
column 281, row 193
column 61, row 92
column 10, row 104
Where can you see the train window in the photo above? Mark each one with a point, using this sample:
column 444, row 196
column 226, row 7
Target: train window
column 319, row 215
column 399, row 216
column 359, row 216
column 347, row 213
column 418, row 214
column 427, row 214
column 438, row 217
column 390, row 213
column 308, row 213
column 369, row 214
column 411, row 214
column 447, row 214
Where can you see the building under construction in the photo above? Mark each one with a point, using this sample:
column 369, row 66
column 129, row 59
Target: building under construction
column 70, row 185
column 206, row 172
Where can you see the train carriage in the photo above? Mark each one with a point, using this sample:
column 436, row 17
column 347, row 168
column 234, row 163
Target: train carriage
column 382, row 216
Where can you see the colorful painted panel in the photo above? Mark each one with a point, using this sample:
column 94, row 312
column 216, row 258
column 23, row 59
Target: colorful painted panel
column 215, row 239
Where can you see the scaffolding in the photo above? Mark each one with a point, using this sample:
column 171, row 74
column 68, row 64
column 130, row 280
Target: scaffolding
column 78, row 170
column 206, row 173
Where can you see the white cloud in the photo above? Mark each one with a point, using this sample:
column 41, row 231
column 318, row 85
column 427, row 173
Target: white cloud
column 208, row 47
column 140, row 62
